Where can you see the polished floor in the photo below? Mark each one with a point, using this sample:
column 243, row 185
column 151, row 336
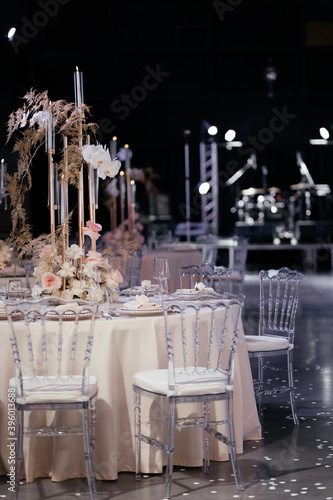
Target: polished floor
column 289, row 461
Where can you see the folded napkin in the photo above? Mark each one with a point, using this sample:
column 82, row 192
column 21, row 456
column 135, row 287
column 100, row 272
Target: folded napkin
column 137, row 306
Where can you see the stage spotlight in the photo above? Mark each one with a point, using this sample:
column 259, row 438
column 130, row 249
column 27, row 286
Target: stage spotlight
column 212, row 130
column 204, row 187
column 324, row 133
column 230, row 135
column 207, row 127
column 11, row 33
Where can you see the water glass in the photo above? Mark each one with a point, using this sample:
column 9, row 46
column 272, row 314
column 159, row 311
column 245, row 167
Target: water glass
column 161, row 272
column 14, row 284
column 3, row 292
column 104, row 303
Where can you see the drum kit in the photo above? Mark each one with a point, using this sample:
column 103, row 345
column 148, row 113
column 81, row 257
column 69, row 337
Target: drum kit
column 304, row 201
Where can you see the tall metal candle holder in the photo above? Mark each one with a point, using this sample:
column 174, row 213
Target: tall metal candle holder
column 50, row 150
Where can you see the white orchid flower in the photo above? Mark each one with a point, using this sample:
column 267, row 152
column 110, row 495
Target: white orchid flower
column 24, row 119
column 40, row 118
column 89, row 150
column 108, row 168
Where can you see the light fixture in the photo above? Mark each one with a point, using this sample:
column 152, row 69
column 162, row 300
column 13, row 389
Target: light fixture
column 212, row 130
column 323, row 141
column 318, row 142
column 203, row 188
column 324, row 133
column 230, row 135
column 208, row 128
column 233, row 144
column 11, row 34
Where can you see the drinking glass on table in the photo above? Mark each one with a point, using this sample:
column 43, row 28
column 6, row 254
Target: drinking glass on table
column 161, row 272
column 3, row 292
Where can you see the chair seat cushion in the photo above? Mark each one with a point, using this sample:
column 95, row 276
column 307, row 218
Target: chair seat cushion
column 54, row 389
column 257, row 343
column 186, row 384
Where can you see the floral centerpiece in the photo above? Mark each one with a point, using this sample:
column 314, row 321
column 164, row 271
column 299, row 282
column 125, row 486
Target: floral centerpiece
column 65, row 278
column 62, row 270
column 6, row 254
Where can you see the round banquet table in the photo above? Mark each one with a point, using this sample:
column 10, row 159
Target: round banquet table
column 122, row 347
column 177, row 258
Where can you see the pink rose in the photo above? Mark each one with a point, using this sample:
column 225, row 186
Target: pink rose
column 50, row 281
column 94, row 257
column 94, row 226
column 92, row 229
column 116, row 276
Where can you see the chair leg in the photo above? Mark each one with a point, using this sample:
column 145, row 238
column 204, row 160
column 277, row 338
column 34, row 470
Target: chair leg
column 170, row 451
column 290, row 361
column 87, row 442
column 260, row 376
column 232, row 445
column 206, row 461
column 137, row 432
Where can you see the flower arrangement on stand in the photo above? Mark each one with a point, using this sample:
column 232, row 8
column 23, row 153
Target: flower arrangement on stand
column 61, row 270
column 63, row 277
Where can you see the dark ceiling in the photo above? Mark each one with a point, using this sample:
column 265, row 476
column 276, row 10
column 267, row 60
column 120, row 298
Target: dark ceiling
column 153, row 69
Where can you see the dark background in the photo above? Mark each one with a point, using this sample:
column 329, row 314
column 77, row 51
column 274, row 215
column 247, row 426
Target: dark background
column 212, row 56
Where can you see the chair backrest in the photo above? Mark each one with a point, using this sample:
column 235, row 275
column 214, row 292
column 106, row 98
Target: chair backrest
column 278, row 301
column 54, row 339
column 195, row 228
column 240, row 256
column 205, row 340
column 216, row 277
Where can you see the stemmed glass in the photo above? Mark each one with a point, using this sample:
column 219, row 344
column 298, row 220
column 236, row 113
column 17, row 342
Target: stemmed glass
column 161, row 272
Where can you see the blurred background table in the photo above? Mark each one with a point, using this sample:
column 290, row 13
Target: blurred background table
column 178, row 256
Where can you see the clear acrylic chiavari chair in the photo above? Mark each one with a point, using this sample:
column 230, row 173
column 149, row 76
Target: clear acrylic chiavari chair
column 51, row 347
column 278, row 303
column 216, row 277
column 199, row 356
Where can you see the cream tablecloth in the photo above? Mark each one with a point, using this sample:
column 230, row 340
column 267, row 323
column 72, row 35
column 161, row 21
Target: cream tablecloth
column 177, row 258
column 122, row 347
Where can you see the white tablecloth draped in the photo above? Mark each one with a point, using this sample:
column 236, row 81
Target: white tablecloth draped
column 121, row 348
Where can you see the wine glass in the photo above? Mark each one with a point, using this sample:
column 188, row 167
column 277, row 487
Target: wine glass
column 161, row 272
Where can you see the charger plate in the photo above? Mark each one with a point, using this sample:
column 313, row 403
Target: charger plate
column 68, row 317
column 14, row 316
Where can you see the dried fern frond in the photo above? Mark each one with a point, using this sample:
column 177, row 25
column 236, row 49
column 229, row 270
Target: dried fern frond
column 67, row 121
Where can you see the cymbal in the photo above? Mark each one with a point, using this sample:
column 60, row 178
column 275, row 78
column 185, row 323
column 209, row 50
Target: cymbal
column 252, row 191
column 274, row 189
column 301, row 185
